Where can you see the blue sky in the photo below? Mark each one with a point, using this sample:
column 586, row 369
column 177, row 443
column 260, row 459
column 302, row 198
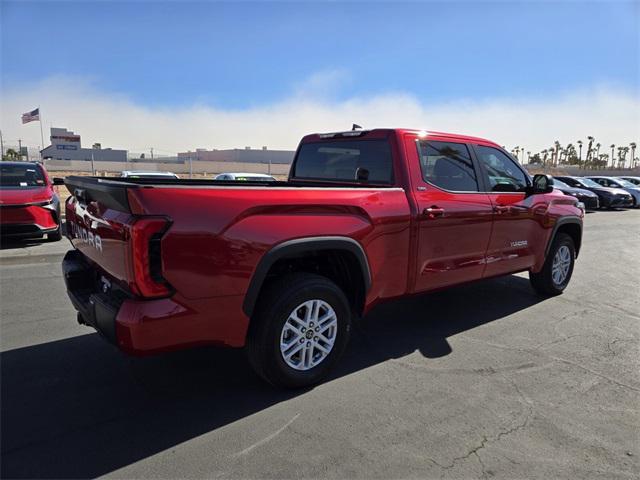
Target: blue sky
column 236, row 55
column 181, row 75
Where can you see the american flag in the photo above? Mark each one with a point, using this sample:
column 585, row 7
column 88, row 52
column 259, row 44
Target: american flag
column 31, row 116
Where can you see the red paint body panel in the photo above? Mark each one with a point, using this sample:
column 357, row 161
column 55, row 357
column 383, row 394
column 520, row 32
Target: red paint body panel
column 28, row 215
column 218, row 235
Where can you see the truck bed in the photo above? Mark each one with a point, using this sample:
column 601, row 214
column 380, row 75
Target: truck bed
column 112, row 191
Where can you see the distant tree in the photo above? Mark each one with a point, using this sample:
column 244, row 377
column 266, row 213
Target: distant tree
column 545, row 154
column 571, row 156
column 535, row 159
column 620, row 157
column 613, row 158
column 579, row 142
column 10, row 154
column 602, row 161
column 590, row 149
column 633, row 154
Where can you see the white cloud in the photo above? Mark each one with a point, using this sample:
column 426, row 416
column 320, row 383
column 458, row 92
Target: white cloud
column 612, row 115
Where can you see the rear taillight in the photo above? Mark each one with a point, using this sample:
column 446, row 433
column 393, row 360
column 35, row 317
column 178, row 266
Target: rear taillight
column 146, row 257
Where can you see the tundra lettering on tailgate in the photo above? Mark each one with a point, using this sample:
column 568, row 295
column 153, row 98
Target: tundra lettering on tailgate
column 86, row 236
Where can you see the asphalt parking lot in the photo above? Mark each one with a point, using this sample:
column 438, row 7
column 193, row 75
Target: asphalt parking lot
column 486, row 380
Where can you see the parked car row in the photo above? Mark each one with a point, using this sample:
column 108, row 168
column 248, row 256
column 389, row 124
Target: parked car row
column 609, row 192
column 30, row 207
column 231, row 176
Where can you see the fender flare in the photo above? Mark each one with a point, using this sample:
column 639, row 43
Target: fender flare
column 296, row 248
column 564, row 221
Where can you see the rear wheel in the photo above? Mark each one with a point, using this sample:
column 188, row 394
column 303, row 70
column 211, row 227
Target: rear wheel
column 558, row 267
column 299, row 331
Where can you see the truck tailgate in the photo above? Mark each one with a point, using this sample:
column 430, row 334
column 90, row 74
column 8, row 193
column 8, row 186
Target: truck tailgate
column 125, row 246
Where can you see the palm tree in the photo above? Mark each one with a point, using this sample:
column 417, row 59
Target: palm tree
column 613, row 158
column 633, row 153
column 556, row 146
column 625, row 150
column 579, row 142
column 528, row 156
column 620, row 160
column 544, row 157
column 570, row 154
column 589, row 151
column 604, row 160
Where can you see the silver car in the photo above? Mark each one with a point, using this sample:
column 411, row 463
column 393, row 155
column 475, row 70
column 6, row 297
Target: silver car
column 617, row 182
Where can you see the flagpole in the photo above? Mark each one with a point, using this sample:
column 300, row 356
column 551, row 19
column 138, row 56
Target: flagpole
column 41, row 134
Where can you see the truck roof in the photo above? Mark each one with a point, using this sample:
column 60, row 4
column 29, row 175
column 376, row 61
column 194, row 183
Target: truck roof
column 383, row 132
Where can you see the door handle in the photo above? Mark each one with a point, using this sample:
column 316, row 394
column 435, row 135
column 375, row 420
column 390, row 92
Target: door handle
column 433, row 212
column 519, row 208
column 500, row 209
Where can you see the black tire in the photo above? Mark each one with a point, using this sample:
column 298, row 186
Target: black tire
column 55, row 236
column 274, row 306
column 543, row 281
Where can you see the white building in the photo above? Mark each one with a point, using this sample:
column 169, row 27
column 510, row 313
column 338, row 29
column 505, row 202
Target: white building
column 66, row 145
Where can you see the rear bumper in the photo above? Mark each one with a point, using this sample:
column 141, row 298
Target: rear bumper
column 94, row 308
column 141, row 327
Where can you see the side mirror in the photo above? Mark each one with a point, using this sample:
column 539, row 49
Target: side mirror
column 542, row 183
column 58, row 181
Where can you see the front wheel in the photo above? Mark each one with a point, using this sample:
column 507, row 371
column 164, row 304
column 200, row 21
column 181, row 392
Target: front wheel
column 299, row 331
column 558, row 267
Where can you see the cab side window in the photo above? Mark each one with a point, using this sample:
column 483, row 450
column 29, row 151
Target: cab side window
column 501, row 172
column 447, row 165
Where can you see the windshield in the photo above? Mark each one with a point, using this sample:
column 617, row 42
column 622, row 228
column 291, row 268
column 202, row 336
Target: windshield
column 634, row 180
column 21, row 176
column 559, row 184
column 361, row 161
column 587, row 182
column 626, row 183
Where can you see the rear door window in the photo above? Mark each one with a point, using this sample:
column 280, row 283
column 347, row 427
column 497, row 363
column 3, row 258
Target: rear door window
column 502, row 174
column 447, row 165
column 361, row 161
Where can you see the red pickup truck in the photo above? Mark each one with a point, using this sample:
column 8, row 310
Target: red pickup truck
column 281, row 268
